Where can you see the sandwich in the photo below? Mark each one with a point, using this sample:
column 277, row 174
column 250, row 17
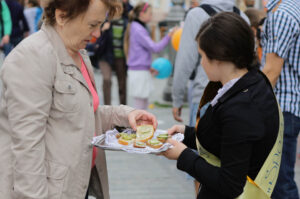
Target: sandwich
column 163, row 137
column 154, row 143
column 144, row 133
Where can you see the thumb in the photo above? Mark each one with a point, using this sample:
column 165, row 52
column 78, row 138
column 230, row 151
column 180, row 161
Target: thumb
column 132, row 122
column 172, row 130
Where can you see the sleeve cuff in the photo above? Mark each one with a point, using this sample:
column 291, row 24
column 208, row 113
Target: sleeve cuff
column 186, row 159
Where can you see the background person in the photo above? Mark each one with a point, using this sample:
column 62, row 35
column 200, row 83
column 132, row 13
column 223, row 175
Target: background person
column 188, row 59
column 241, row 122
column 19, row 24
column 138, row 47
column 49, row 108
column 256, row 18
column 33, row 13
column 281, row 60
column 5, row 27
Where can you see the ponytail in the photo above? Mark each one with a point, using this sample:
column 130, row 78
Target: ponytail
column 133, row 15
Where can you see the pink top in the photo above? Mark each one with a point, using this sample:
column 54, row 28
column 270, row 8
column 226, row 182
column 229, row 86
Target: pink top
column 95, row 97
column 89, row 82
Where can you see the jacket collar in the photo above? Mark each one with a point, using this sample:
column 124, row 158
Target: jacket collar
column 242, row 84
column 66, row 61
column 58, row 45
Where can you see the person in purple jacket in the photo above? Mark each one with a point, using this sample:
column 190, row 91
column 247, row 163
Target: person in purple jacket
column 138, row 48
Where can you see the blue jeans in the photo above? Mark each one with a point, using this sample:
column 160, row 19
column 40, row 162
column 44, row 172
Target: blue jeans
column 286, row 187
column 193, row 113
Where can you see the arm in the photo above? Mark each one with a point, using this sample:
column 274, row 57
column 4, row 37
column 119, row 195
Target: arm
column 112, row 116
column 238, row 134
column 273, row 67
column 7, row 24
column 145, row 40
column 124, row 116
column 190, row 137
column 281, row 33
column 187, row 56
column 27, row 91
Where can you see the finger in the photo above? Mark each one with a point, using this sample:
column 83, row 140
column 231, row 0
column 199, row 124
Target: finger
column 172, row 130
column 132, row 122
column 178, row 119
column 174, row 115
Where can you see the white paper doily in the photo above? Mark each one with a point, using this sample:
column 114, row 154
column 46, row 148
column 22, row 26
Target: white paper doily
column 108, row 141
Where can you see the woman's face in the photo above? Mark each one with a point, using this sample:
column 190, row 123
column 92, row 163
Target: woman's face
column 146, row 16
column 79, row 31
column 210, row 66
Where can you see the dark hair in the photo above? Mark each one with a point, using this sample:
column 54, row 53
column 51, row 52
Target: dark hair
column 76, row 7
column 227, row 37
column 34, row 3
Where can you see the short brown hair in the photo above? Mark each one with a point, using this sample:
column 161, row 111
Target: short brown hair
column 76, row 7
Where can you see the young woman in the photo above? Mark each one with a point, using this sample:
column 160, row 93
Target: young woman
column 240, row 118
column 138, row 48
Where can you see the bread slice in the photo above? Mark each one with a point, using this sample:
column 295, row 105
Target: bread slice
column 126, row 139
column 154, row 143
column 144, row 133
column 163, row 137
column 138, row 144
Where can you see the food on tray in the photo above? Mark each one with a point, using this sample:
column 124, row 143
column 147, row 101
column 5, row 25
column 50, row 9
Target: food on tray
column 138, row 144
column 163, row 137
column 118, row 135
column 154, row 143
column 126, row 139
column 144, row 133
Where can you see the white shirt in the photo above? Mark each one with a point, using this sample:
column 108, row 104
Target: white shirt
column 223, row 90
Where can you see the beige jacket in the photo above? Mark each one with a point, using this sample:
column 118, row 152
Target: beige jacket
column 47, row 123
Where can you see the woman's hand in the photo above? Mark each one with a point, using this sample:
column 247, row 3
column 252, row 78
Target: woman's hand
column 176, row 129
column 139, row 117
column 174, row 152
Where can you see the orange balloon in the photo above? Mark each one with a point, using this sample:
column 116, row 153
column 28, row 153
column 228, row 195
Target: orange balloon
column 176, row 39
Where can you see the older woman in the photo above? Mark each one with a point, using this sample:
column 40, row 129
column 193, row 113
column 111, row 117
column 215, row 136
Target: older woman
column 49, row 107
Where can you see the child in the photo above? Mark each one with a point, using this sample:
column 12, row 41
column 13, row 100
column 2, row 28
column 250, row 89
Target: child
column 138, row 47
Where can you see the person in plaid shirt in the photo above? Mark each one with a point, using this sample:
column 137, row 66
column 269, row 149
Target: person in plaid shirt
column 281, row 46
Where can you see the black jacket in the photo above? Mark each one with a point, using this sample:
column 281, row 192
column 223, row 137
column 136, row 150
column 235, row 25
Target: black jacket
column 241, row 130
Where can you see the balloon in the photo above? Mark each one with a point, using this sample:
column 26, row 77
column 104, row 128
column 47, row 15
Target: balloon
column 163, row 66
column 176, row 39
